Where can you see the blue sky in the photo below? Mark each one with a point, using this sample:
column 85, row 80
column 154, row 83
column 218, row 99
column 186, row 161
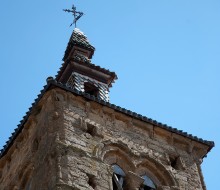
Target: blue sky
column 166, row 55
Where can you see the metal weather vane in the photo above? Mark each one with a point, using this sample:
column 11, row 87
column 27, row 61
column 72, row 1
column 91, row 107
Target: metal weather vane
column 77, row 15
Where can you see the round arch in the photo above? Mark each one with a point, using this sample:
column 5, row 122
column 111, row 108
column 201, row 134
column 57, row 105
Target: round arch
column 120, row 154
column 156, row 171
column 117, row 154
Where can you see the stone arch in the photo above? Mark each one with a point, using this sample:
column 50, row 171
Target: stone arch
column 118, row 154
column 156, row 171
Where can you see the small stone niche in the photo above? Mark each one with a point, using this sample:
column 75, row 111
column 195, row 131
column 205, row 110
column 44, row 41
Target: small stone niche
column 91, row 181
column 177, row 163
column 91, row 129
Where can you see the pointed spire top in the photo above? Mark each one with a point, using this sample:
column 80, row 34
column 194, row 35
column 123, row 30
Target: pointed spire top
column 77, row 15
column 79, row 32
column 80, row 40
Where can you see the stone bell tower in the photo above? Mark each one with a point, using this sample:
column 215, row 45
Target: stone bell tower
column 73, row 138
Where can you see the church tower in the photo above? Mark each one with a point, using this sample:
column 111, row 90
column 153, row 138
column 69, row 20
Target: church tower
column 73, row 138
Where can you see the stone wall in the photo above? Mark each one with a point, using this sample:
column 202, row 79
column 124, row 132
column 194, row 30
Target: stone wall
column 70, row 143
column 95, row 137
column 30, row 162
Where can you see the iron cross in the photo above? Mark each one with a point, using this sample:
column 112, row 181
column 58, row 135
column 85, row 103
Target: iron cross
column 77, row 15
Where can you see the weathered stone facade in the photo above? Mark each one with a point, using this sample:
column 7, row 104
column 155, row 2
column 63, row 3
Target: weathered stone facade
column 70, row 142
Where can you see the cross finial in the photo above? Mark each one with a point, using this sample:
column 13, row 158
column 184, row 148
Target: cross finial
column 77, row 15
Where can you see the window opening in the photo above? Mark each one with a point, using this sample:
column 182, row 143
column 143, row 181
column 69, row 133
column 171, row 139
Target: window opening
column 118, row 178
column 91, row 89
column 148, row 184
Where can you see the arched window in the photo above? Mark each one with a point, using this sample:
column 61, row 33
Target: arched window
column 118, row 178
column 148, row 184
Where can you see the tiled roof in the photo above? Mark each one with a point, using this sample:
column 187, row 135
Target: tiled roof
column 54, row 83
column 78, row 38
column 84, row 60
